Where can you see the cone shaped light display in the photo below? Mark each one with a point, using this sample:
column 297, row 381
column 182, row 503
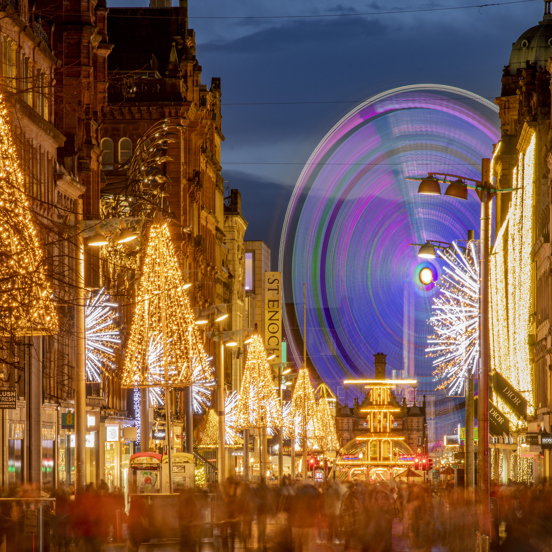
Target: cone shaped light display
column 163, row 312
column 210, row 435
column 26, row 307
column 258, row 405
column 303, row 422
column 328, row 436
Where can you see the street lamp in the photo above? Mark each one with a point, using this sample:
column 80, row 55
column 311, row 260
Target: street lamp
column 458, row 188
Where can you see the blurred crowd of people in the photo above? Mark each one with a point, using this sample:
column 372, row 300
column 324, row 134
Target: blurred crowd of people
column 291, row 517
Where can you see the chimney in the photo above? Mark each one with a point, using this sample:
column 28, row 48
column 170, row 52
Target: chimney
column 380, row 364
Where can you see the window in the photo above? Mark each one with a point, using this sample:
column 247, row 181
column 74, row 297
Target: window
column 107, row 154
column 8, row 62
column 27, row 80
column 249, row 271
column 125, row 150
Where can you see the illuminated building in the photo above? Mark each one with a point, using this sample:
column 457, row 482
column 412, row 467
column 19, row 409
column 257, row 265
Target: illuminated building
column 379, row 451
column 520, row 277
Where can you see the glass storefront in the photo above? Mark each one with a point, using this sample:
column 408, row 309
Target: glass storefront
column 66, row 459
column 16, row 433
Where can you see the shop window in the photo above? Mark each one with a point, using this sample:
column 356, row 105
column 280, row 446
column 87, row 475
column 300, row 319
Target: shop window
column 249, row 271
column 107, row 154
column 125, row 150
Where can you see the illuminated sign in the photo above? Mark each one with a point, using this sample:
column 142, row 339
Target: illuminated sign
column 92, row 421
column 273, row 315
column 513, row 398
column 112, row 433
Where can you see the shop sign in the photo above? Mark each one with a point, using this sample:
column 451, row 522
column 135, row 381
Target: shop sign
column 546, row 441
column 532, row 439
column 68, row 420
column 111, row 433
column 130, row 434
column 511, row 396
column 452, row 440
column 273, row 315
column 8, row 398
column 90, row 440
column 92, row 421
column 159, row 434
column 498, row 423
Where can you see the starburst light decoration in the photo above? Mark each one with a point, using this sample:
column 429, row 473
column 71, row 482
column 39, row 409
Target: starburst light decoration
column 511, row 286
column 201, row 389
column 455, row 345
column 231, row 436
column 102, row 336
column 303, row 422
column 26, row 307
column 327, row 439
column 163, row 312
column 258, row 405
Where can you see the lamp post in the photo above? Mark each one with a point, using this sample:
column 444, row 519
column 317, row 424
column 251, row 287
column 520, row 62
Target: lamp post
column 458, row 189
column 219, row 316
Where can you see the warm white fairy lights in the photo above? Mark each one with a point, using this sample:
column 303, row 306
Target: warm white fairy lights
column 303, row 422
column 163, row 311
column 455, row 345
column 26, row 306
column 201, row 389
column 511, row 283
column 231, row 436
column 258, row 405
column 102, row 336
column 327, row 439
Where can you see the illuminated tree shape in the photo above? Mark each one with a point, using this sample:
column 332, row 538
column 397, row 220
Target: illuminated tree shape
column 102, row 336
column 327, row 439
column 455, row 344
column 26, row 306
column 303, row 422
column 163, row 307
column 258, row 405
column 231, row 437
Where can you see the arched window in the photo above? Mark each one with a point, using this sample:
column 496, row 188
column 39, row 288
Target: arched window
column 107, row 154
column 125, row 150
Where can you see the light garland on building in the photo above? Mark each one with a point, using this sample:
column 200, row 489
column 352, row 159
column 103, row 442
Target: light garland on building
column 303, row 422
column 163, row 305
column 511, row 282
column 328, row 436
column 455, row 345
column 102, row 336
column 258, row 405
column 231, row 437
column 136, row 399
column 26, row 306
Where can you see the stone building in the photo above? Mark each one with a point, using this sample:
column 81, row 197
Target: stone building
column 41, row 369
column 520, row 338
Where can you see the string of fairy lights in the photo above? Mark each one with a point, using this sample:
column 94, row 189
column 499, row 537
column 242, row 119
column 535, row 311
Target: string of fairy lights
column 455, row 319
column 25, row 293
column 231, row 432
column 511, row 284
column 163, row 311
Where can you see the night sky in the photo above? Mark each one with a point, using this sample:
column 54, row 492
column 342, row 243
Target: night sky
column 275, row 71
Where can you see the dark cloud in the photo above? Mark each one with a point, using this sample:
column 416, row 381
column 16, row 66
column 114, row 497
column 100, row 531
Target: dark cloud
column 264, row 204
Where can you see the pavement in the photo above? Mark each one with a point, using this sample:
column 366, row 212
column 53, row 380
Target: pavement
column 400, row 544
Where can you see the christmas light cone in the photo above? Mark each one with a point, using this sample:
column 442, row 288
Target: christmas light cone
column 210, row 435
column 26, row 305
column 258, row 405
column 303, row 422
column 327, row 439
column 163, row 315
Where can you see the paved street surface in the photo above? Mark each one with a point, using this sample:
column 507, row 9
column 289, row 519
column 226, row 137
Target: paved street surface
column 399, row 545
